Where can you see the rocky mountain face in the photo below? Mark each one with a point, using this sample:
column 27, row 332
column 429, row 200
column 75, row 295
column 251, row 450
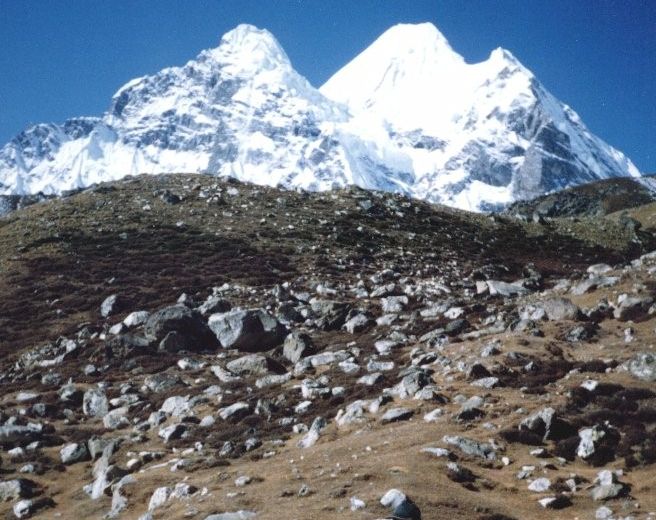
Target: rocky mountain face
column 183, row 346
column 407, row 115
column 592, row 199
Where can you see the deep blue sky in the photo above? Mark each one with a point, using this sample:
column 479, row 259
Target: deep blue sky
column 60, row 59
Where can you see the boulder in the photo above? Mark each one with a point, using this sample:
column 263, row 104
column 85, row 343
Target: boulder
column 297, row 345
column 74, row 452
column 17, row 488
column 471, row 447
column 253, row 365
column 185, row 328
column 94, row 403
column 632, row 308
column 558, row 309
column 498, row 288
column 330, row 315
column 252, row 330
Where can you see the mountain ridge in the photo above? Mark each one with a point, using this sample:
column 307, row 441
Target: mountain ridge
column 491, row 135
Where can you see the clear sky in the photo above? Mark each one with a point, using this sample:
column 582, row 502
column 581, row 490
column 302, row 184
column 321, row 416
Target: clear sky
column 66, row 58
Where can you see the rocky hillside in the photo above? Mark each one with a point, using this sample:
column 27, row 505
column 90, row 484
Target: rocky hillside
column 592, row 199
column 184, row 347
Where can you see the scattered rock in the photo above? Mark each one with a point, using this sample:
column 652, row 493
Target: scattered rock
column 109, row 306
column 74, row 452
column 643, row 366
column 397, row 414
column 95, row 403
column 471, row 447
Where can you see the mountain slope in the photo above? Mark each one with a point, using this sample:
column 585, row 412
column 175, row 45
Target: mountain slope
column 396, row 341
column 407, row 115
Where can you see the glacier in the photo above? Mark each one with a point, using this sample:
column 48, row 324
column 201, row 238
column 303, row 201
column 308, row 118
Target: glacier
column 408, row 115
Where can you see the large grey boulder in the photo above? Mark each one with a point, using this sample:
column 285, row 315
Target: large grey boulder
column 558, row 309
column 252, row 330
column 297, row 345
column 179, row 328
column 252, row 364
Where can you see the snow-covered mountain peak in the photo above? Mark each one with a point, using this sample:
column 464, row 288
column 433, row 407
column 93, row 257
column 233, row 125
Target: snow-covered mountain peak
column 407, row 38
column 405, row 64
column 250, row 50
column 407, row 114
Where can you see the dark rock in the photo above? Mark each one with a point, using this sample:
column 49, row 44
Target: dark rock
column 633, row 308
column 477, row 371
column 214, row 304
column 458, row 473
column 406, row 510
column 547, row 425
column 331, row 315
column 455, row 327
column 584, row 332
column 191, row 332
column 125, row 346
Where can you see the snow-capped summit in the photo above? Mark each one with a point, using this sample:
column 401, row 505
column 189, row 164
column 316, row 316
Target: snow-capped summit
column 408, row 114
column 397, row 74
column 479, row 135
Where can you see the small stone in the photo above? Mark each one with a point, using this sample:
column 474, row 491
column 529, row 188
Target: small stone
column 392, row 497
column 437, row 452
column 603, row 513
column 175, row 431
column 74, row 452
column 434, row 415
column 357, row 504
column 136, row 318
column 109, row 306
column 540, row 485
column 242, row 481
column 556, row 502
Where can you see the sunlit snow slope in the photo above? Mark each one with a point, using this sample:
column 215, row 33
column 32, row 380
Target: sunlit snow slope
column 408, row 114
